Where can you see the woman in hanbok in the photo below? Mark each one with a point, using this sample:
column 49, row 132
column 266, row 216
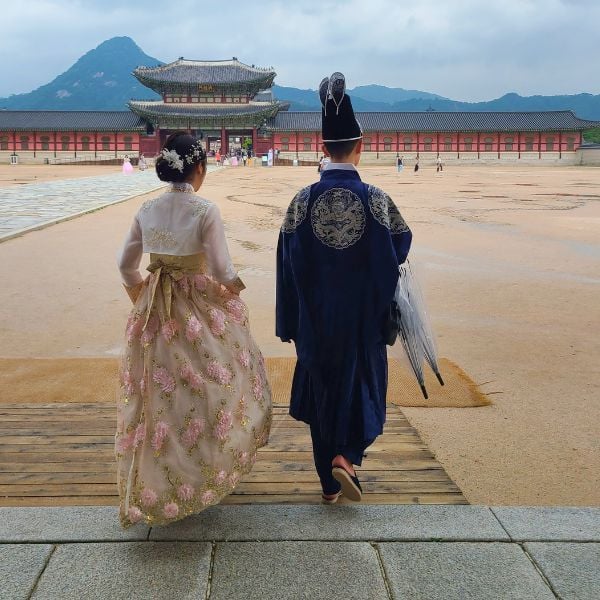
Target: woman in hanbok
column 195, row 404
column 127, row 168
column 142, row 164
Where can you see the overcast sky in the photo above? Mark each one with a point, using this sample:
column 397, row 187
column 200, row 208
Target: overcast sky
column 462, row 49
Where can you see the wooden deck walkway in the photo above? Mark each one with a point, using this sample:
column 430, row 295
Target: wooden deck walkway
column 62, row 454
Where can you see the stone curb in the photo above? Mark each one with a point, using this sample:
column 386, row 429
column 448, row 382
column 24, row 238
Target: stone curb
column 271, row 523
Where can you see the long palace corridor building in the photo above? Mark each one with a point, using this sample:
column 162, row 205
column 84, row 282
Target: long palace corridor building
column 227, row 102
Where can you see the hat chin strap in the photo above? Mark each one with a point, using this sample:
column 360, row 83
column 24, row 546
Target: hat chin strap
column 343, row 139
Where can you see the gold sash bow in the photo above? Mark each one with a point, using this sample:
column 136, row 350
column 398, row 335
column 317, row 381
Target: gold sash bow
column 166, row 268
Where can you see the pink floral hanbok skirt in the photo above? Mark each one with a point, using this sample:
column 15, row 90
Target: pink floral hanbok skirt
column 194, row 404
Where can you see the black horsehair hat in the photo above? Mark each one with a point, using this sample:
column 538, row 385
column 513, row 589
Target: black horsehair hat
column 339, row 123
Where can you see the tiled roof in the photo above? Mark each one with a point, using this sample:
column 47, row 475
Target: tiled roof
column 441, row 121
column 220, row 73
column 205, row 115
column 69, row 120
column 159, row 108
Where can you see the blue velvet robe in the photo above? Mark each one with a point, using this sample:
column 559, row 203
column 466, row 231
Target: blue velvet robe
column 337, row 268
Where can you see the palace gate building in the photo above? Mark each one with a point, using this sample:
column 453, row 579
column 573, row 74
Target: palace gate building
column 229, row 104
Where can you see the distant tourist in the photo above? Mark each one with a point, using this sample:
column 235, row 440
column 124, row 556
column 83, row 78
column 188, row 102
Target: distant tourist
column 218, row 158
column 416, row 165
column 142, row 164
column 399, row 164
column 195, row 404
column 439, row 164
column 127, row 168
column 339, row 250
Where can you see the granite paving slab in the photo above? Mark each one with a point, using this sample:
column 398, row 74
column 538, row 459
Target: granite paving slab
column 297, row 570
column 550, row 523
column 460, row 571
column 20, row 567
column 352, row 523
column 128, row 571
column 65, row 524
column 572, row 569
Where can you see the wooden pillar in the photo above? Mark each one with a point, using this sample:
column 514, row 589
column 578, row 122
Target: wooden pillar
column 55, row 139
column 14, row 138
column 317, row 146
column 560, row 144
column 116, row 144
column 458, row 144
column 498, row 144
column 75, row 142
column 254, row 141
column 418, row 144
column 224, row 141
column 437, row 143
column 539, row 145
column 519, row 142
column 95, row 144
column 478, row 146
column 397, row 142
column 296, row 144
column 34, row 144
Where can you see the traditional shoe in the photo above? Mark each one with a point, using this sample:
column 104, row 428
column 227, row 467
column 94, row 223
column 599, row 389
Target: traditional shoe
column 331, row 498
column 350, row 484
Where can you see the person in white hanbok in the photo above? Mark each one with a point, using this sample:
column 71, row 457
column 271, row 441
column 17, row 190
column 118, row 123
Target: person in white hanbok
column 194, row 403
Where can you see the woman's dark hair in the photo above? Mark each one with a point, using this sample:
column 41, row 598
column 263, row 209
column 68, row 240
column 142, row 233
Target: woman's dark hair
column 179, row 157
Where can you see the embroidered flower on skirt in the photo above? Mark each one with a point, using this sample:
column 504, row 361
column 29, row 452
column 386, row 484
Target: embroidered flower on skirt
column 148, row 497
column 223, row 425
column 125, row 441
column 163, row 378
column 185, row 492
column 195, row 380
column 237, row 310
column 217, row 321
column 193, row 432
column 193, row 329
column 208, row 497
column 184, row 284
column 219, row 373
column 244, row 358
column 220, row 477
column 134, row 514
column 170, row 329
column 201, row 282
column 161, row 430
column 170, row 510
column 150, row 331
column 128, row 385
column 139, row 435
column 257, row 387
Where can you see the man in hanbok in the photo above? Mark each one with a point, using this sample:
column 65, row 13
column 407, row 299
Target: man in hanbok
column 339, row 250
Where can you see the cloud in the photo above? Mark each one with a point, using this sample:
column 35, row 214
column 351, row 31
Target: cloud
column 464, row 49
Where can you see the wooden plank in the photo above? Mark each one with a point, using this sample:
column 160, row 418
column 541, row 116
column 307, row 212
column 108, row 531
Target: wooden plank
column 60, row 501
column 59, row 467
column 438, row 475
column 59, row 489
column 58, row 477
column 367, row 499
column 381, row 487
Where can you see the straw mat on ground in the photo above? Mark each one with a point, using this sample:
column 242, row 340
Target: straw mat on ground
column 88, row 380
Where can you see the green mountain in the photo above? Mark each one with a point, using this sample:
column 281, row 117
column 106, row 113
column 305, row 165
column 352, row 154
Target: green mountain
column 99, row 80
column 102, row 80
